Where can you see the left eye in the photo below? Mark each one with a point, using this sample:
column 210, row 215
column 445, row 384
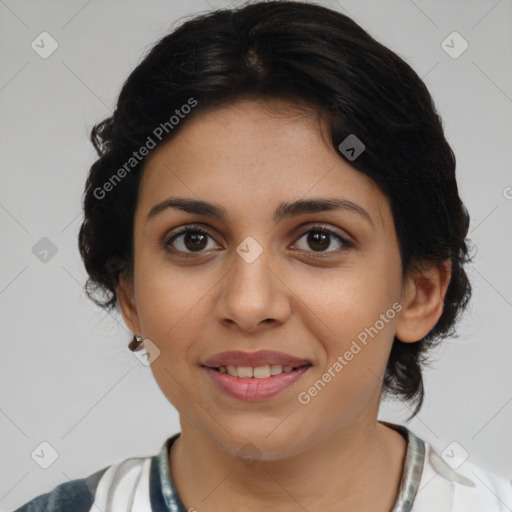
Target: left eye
column 195, row 239
column 320, row 237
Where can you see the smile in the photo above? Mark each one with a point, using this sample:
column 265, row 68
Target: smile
column 255, row 383
column 259, row 372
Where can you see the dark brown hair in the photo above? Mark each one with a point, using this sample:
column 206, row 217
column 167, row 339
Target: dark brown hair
column 304, row 53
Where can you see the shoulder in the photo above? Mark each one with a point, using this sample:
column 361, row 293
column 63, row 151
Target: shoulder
column 96, row 489
column 452, row 485
column 75, row 495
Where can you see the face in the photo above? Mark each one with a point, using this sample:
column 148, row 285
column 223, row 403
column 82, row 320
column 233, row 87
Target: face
column 312, row 285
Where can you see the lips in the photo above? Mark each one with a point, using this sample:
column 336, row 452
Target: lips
column 254, row 376
column 254, row 359
column 255, row 390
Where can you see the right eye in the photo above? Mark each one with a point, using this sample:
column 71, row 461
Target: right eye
column 191, row 238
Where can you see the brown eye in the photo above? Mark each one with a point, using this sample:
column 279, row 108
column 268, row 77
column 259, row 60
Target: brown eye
column 193, row 239
column 319, row 239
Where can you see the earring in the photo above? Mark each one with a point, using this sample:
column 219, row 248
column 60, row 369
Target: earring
column 135, row 343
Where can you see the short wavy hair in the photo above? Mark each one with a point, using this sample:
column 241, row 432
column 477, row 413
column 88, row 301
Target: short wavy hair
column 308, row 54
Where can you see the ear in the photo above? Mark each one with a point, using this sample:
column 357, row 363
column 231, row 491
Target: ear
column 423, row 300
column 126, row 300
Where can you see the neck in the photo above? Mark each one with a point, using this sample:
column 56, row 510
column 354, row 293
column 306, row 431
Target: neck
column 356, row 468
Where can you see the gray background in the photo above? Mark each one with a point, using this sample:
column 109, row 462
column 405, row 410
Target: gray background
column 67, row 377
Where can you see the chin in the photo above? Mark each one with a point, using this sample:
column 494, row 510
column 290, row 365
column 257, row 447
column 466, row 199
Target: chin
column 261, row 438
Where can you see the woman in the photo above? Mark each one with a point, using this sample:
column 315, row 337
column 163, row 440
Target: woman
column 275, row 212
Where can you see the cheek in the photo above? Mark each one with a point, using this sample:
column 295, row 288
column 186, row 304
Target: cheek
column 357, row 346
column 171, row 305
column 170, row 301
column 350, row 303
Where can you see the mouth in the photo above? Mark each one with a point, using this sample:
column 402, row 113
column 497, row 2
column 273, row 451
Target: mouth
column 254, row 384
column 254, row 376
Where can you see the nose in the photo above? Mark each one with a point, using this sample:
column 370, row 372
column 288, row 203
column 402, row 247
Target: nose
column 253, row 297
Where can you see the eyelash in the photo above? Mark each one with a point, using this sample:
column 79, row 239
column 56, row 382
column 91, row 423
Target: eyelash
column 194, row 228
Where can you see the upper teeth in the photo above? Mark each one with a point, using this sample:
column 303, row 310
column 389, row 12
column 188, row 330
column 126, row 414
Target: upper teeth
column 260, row 372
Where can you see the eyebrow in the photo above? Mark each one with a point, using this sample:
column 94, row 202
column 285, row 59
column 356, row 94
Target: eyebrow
column 284, row 210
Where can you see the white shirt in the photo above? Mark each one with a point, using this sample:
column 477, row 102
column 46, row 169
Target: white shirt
column 144, row 484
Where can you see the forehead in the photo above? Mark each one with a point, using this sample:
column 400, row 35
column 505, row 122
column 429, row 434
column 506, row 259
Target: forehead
column 256, row 154
column 246, row 130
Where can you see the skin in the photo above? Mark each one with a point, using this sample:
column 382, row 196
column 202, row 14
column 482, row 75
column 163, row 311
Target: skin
column 249, row 158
